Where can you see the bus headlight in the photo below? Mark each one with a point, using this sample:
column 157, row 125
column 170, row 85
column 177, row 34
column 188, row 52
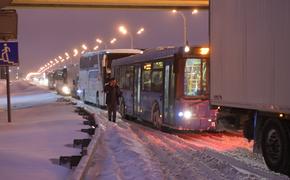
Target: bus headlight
column 185, row 114
column 66, row 90
column 180, row 114
column 79, row 91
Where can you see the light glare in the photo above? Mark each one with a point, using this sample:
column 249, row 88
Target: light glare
column 123, row 30
column 204, row 51
column 186, row 49
column 113, row 40
column 187, row 114
column 195, row 11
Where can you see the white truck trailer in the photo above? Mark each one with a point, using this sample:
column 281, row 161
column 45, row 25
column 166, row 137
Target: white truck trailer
column 250, row 72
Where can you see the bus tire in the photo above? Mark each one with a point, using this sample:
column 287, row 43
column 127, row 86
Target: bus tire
column 155, row 116
column 275, row 145
column 122, row 109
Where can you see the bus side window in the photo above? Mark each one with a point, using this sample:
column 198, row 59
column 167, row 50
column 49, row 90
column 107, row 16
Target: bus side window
column 122, row 76
column 128, row 83
column 146, row 77
column 157, row 77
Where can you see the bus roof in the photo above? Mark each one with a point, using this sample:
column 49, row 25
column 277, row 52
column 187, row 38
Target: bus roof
column 150, row 54
column 108, row 51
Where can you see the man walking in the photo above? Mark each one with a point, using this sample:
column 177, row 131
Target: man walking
column 112, row 98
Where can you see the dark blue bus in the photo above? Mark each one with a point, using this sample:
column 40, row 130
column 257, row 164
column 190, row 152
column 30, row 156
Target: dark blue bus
column 167, row 87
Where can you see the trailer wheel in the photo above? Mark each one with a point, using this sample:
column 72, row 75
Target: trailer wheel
column 122, row 109
column 275, row 146
column 155, row 116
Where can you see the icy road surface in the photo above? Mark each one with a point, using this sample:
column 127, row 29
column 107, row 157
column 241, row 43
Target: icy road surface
column 127, row 150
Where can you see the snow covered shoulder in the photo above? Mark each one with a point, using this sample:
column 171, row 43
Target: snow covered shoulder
column 41, row 131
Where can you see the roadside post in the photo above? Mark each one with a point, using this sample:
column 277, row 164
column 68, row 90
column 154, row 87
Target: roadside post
column 8, row 48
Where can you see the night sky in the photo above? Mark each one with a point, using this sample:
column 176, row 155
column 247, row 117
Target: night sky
column 44, row 34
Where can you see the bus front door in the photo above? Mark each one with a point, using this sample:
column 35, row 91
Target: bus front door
column 137, row 89
column 168, row 93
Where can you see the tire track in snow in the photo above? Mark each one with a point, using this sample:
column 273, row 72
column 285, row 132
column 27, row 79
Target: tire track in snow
column 237, row 164
column 191, row 161
column 189, row 169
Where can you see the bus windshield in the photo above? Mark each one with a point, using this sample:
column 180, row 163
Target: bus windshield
column 195, row 77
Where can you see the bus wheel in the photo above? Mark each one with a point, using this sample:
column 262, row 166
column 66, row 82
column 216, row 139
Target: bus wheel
column 275, row 145
column 155, row 116
column 122, row 109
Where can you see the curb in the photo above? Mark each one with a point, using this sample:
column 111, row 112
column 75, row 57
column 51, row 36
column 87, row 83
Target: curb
column 83, row 166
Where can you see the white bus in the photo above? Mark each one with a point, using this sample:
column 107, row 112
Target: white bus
column 95, row 69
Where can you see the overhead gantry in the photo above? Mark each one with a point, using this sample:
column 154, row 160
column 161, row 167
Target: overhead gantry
column 185, row 4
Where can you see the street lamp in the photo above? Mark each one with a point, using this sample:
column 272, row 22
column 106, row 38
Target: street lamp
column 67, row 55
column 112, row 41
column 184, row 25
column 96, row 47
column 140, row 31
column 195, row 11
column 84, row 47
column 75, row 52
column 123, row 30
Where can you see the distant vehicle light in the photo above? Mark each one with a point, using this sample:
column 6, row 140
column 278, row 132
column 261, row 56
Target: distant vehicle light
column 281, row 115
column 66, row 90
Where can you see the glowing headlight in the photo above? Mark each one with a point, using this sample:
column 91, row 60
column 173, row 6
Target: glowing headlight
column 180, row 114
column 66, row 90
column 79, row 91
column 187, row 114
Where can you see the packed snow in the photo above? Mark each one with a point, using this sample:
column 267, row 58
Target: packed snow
column 129, row 150
column 43, row 129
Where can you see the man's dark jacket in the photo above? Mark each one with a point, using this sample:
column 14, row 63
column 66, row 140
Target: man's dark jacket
column 113, row 94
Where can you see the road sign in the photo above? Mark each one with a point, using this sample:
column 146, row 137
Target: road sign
column 8, row 24
column 9, row 54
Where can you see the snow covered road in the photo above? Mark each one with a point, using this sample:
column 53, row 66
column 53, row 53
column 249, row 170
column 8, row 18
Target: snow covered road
column 127, row 150
column 124, row 150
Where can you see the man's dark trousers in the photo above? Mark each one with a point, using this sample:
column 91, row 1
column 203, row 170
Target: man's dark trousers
column 112, row 111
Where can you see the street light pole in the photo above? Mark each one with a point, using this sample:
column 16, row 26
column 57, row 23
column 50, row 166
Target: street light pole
column 132, row 41
column 184, row 26
column 8, row 94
